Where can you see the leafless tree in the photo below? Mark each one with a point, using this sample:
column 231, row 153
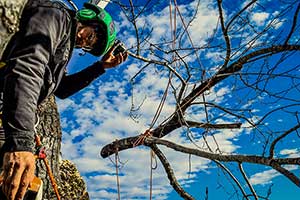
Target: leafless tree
column 259, row 64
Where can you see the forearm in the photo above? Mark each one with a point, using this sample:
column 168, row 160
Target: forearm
column 73, row 83
column 21, row 93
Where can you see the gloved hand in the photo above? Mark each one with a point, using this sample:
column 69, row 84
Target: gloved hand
column 109, row 60
column 18, row 172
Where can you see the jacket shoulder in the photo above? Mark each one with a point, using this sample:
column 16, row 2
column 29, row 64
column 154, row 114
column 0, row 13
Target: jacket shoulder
column 53, row 7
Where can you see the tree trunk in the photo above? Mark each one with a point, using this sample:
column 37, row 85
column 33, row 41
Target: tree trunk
column 50, row 134
column 10, row 13
column 71, row 184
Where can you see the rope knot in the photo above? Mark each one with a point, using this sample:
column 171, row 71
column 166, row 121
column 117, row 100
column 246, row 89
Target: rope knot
column 41, row 152
column 142, row 138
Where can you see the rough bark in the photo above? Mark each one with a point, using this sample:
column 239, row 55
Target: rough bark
column 50, row 134
column 10, row 12
column 71, row 184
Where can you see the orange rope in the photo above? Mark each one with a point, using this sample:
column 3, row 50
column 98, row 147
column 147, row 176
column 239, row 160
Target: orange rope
column 48, row 168
column 151, row 174
column 142, row 138
column 117, row 172
column 152, row 157
column 188, row 34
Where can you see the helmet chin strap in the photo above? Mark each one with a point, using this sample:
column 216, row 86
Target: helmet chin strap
column 86, row 49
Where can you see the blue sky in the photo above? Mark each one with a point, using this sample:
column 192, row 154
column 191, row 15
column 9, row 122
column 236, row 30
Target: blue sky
column 101, row 113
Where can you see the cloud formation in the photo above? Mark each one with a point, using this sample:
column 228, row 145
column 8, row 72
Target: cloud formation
column 103, row 112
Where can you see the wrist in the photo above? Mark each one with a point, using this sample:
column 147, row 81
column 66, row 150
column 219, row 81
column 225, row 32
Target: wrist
column 101, row 66
column 104, row 65
column 13, row 144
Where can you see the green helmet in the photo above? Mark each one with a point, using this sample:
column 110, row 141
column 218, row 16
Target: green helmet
column 92, row 14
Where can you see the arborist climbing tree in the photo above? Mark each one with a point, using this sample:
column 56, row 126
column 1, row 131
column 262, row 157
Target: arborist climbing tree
column 34, row 67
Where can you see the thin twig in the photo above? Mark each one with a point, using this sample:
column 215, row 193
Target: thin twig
column 159, row 63
column 293, row 25
column 272, row 147
column 232, row 177
column 247, row 181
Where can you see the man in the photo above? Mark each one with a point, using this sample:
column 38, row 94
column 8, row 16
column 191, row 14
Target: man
column 36, row 58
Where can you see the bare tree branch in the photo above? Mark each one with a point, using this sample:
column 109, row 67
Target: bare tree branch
column 233, row 178
column 174, row 122
column 170, row 173
column 272, row 147
column 293, row 25
column 252, row 60
column 225, row 34
column 231, row 158
column 233, row 68
column 213, row 126
column 247, row 181
column 165, row 64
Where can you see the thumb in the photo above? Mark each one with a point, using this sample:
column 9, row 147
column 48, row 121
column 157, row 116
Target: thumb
column 109, row 53
column 112, row 48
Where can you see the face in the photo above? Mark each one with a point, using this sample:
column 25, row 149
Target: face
column 86, row 37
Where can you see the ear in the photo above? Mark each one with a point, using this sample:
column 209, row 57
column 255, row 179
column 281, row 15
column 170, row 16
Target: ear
column 79, row 32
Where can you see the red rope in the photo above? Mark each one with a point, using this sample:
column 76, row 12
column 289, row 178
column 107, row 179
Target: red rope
column 42, row 155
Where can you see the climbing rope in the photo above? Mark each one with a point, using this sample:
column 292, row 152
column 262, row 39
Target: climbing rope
column 140, row 140
column 117, row 172
column 153, row 166
column 41, row 154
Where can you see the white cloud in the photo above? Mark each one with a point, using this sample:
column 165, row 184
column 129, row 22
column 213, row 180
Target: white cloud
column 260, row 18
column 101, row 118
column 100, row 115
column 263, row 178
column 291, row 153
column 204, row 22
column 267, row 176
column 65, row 104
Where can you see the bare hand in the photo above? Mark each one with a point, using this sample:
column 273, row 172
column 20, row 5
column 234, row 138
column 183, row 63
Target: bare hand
column 18, row 172
column 109, row 60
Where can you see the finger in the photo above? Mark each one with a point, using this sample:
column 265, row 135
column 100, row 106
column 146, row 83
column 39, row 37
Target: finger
column 110, row 51
column 7, row 176
column 8, row 170
column 27, row 177
column 120, row 59
column 1, row 182
column 15, row 181
column 1, row 177
column 108, row 55
column 125, row 56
